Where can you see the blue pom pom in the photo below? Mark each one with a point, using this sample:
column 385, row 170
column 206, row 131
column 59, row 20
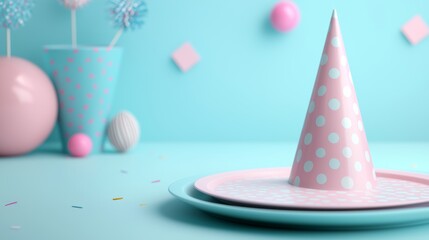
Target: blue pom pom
column 14, row 13
column 128, row 14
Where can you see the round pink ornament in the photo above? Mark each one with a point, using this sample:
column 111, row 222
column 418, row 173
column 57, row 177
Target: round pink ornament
column 285, row 16
column 79, row 145
column 28, row 106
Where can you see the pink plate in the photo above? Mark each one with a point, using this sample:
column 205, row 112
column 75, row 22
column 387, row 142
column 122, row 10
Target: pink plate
column 269, row 187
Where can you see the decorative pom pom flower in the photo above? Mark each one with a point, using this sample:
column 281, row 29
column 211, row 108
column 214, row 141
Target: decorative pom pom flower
column 14, row 13
column 74, row 4
column 128, row 14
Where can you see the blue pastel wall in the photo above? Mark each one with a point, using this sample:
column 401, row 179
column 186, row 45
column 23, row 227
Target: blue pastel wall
column 252, row 84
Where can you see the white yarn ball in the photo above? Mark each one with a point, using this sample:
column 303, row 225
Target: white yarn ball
column 123, row 131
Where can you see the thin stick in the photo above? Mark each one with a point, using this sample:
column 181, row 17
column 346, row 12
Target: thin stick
column 73, row 28
column 8, row 48
column 116, row 38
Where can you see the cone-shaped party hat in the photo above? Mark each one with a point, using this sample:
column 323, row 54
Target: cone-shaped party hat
column 333, row 152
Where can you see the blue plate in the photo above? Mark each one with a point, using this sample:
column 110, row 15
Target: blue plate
column 330, row 220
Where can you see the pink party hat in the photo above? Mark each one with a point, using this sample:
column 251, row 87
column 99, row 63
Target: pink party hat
column 333, row 152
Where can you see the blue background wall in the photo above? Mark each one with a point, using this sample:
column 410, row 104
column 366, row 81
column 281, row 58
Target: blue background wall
column 252, row 83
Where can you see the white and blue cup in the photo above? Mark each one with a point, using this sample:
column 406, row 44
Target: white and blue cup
column 85, row 79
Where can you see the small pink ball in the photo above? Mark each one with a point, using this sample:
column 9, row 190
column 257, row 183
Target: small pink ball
column 285, row 16
column 79, row 145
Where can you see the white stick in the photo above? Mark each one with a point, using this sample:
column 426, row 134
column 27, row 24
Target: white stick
column 116, row 38
column 8, row 48
column 73, row 28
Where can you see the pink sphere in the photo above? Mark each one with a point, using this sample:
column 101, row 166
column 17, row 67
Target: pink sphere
column 285, row 16
column 79, row 145
column 28, row 106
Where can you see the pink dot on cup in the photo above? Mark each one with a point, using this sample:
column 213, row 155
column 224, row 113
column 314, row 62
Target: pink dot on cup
column 85, row 106
column 70, row 60
column 91, row 121
column 103, row 71
column 61, row 91
column 80, row 69
column 89, row 95
column 70, row 124
column 78, row 86
column 100, row 60
column 95, row 49
column 101, row 101
column 103, row 120
column 55, row 73
column 80, row 115
column 68, row 79
column 100, row 112
column 71, row 98
column 88, row 60
column 52, row 62
column 80, row 127
column 91, row 75
column 61, row 105
column 79, row 145
column 70, row 110
column 109, row 64
column 98, row 134
column 106, row 91
column 94, row 86
column 46, row 50
column 110, row 78
column 75, row 50
column 66, row 68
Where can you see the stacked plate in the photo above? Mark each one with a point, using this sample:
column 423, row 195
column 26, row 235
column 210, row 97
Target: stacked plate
column 264, row 197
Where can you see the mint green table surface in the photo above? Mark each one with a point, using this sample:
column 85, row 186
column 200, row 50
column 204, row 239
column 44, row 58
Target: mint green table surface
column 47, row 184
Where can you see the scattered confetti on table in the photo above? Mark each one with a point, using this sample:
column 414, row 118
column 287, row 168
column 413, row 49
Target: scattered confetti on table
column 156, row 181
column 77, row 207
column 185, row 57
column 118, row 198
column 12, row 203
column 415, row 30
column 15, row 227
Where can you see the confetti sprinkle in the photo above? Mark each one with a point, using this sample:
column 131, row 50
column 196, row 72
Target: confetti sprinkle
column 77, row 207
column 118, row 198
column 156, row 181
column 10, row 203
column 128, row 14
column 15, row 227
column 14, row 13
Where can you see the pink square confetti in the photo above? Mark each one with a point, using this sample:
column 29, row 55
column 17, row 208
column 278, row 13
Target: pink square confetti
column 415, row 30
column 185, row 57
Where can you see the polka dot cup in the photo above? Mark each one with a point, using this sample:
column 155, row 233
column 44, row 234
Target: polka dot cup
column 333, row 152
column 85, row 80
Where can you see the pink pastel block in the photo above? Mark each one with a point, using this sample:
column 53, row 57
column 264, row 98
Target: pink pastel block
column 185, row 57
column 415, row 30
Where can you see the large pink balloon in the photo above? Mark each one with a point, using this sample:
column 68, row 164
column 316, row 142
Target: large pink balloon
column 28, row 106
